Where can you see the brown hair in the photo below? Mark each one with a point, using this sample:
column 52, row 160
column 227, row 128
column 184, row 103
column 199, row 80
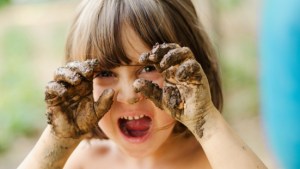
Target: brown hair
column 96, row 33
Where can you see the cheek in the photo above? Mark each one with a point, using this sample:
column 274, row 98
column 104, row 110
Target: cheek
column 166, row 118
column 106, row 125
column 99, row 86
column 163, row 119
column 159, row 80
column 97, row 90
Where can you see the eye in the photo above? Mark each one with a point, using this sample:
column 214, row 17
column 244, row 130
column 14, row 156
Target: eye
column 149, row 72
column 148, row 68
column 104, row 74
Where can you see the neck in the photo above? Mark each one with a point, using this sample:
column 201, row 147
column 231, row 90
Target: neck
column 175, row 149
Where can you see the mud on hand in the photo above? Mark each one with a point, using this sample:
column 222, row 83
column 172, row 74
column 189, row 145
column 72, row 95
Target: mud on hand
column 185, row 93
column 71, row 109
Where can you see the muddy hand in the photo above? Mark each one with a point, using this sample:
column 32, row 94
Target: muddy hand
column 185, row 94
column 71, row 109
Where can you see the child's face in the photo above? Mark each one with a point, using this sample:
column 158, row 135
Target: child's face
column 150, row 126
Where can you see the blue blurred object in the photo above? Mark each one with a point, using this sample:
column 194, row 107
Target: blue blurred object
column 280, row 79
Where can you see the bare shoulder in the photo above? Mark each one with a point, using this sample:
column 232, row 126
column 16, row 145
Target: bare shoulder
column 90, row 154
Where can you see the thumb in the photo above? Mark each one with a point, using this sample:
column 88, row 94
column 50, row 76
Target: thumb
column 151, row 90
column 104, row 102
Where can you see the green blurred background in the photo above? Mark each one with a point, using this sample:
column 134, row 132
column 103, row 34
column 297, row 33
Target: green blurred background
column 32, row 38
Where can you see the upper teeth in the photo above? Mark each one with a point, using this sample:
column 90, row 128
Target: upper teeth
column 136, row 117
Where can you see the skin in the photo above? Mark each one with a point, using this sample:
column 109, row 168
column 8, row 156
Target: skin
column 181, row 92
column 122, row 83
column 159, row 149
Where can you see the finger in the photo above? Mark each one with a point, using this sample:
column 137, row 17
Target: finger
column 144, row 58
column 175, row 56
column 157, row 53
column 58, row 93
column 104, row 102
column 189, row 71
column 85, row 69
column 64, row 74
column 151, row 90
column 94, row 64
column 172, row 100
column 54, row 93
column 85, row 115
column 76, row 93
column 169, row 75
column 85, row 88
column 159, row 50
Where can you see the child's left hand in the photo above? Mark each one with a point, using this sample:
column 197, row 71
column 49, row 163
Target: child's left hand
column 186, row 93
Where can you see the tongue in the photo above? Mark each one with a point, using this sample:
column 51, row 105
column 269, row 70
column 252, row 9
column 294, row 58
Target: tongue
column 135, row 128
column 141, row 124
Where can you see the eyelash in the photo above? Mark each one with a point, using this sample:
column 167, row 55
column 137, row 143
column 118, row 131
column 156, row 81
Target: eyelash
column 108, row 73
column 104, row 74
column 148, row 68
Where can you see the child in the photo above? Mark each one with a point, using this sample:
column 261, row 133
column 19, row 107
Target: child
column 150, row 68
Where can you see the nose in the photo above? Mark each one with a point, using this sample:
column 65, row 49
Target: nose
column 126, row 93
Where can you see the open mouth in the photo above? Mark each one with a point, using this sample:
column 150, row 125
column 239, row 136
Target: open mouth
column 135, row 126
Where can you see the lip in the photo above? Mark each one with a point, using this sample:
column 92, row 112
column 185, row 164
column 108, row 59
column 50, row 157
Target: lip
column 136, row 140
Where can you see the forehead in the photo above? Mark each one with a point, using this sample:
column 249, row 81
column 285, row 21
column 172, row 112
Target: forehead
column 133, row 45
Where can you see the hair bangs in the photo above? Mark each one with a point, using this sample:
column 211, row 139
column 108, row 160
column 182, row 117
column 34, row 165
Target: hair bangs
column 98, row 29
column 145, row 21
column 106, row 39
column 102, row 25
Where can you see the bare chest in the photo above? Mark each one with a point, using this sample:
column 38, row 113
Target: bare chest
column 119, row 164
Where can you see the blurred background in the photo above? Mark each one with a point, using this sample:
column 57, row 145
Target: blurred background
column 32, row 38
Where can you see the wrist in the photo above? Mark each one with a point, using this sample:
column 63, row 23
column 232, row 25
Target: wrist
column 64, row 140
column 206, row 124
column 50, row 151
column 57, row 149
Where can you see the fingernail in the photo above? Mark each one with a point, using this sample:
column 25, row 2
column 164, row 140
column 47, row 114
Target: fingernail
column 143, row 57
column 108, row 92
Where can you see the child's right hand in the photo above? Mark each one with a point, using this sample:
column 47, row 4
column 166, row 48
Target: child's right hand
column 71, row 109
